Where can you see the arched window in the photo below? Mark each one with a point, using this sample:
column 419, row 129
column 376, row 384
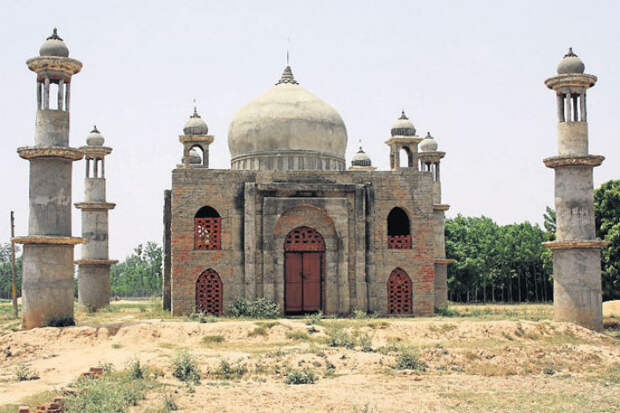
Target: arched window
column 209, row 293
column 207, row 229
column 400, row 293
column 399, row 231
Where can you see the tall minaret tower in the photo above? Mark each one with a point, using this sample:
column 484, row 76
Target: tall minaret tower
column 94, row 266
column 576, row 252
column 47, row 284
column 430, row 159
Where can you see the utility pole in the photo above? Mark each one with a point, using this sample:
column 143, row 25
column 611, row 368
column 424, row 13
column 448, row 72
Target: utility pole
column 13, row 289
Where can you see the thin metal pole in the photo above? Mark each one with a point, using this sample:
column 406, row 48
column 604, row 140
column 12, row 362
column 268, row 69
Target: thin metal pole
column 13, row 288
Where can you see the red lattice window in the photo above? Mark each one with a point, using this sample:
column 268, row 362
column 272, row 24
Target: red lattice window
column 208, row 233
column 209, row 293
column 400, row 293
column 304, row 239
column 399, row 241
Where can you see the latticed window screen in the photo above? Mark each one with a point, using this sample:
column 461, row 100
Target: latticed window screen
column 400, row 292
column 208, row 233
column 304, row 239
column 209, row 293
column 400, row 242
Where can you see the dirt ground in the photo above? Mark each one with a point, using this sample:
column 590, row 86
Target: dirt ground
column 487, row 358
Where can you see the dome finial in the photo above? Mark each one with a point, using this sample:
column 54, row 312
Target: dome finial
column 287, row 77
column 570, row 52
column 54, row 35
column 195, row 114
column 402, row 115
column 94, row 129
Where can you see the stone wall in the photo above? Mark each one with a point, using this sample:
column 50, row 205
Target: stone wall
column 258, row 210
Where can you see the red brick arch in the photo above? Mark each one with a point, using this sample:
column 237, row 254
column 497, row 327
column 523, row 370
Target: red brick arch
column 399, row 292
column 209, row 293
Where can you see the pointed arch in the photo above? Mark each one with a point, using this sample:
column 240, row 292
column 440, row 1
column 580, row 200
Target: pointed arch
column 398, row 229
column 399, row 293
column 207, row 229
column 209, row 293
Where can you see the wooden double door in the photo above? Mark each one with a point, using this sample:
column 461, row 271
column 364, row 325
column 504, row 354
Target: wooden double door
column 302, row 288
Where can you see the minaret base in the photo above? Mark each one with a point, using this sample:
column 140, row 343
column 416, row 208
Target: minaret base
column 93, row 287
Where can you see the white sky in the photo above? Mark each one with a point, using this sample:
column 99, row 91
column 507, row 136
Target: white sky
column 470, row 72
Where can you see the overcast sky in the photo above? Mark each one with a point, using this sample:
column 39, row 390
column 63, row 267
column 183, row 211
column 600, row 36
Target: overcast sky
column 470, row 72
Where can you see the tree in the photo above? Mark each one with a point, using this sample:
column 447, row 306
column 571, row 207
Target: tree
column 5, row 271
column 550, row 223
column 607, row 218
column 139, row 274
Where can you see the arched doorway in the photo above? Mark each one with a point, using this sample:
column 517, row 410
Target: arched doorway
column 304, row 254
column 400, row 293
column 209, row 293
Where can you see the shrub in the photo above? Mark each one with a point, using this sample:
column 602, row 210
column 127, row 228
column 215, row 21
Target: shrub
column 365, row 343
column 445, row 311
column 409, row 359
column 227, row 370
column 169, row 403
column 297, row 335
column 258, row 331
column 184, row 368
column 304, row 376
column 260, row 308
column 337, row 337
column 136, row 370
column 314, row 318
column 25, row 373
column 212, row 339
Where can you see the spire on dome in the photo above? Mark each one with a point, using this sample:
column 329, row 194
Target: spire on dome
column 402, row 115
column 287, row 77
column 570, row 53
column 54, row 35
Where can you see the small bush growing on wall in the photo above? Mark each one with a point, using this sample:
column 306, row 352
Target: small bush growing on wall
column 261, row 308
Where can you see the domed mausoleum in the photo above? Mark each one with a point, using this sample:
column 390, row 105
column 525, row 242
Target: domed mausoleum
column 290, row 222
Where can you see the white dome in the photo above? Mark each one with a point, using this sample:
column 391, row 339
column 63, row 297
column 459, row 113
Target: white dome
column 360, row 159
column 428, row 144
column 54, row 46
column 287, row 118
column 403, row 126
column 571, row 63
column 95, row 138
column 195, row 125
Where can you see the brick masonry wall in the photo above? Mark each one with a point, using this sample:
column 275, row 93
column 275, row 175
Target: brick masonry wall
column 350, row 211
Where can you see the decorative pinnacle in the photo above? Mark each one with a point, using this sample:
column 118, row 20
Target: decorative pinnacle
column 195, row 114
column 54, row 35
column 402, row 115
column 287, row 77
column 570, row 53
column 94, row 126
column 428, row 135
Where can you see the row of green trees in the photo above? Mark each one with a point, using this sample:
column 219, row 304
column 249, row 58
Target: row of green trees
column 508, row 263
column 139, row 275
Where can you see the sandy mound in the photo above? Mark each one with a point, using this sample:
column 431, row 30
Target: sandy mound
column 611, row 308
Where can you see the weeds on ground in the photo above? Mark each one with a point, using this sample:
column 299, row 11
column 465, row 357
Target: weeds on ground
column 184, row 368
column 60, row 321
column 365, row 342
column 297, row 335
column 136, row 370
column 169, row 405
column 211, row 339
column 228, row 371
column 314, row 318
column 409, row 359
column 338, row 337
column 446, row 311
column 366, row 409
column 260, row 308
column 112, row 392
column 202, row 317
column 25, row 373
column 32, row 400
column 303, row 376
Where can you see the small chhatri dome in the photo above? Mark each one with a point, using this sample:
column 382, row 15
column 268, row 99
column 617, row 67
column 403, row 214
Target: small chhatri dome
column 360, row 159
column 571, row 63
column 195, row 125
column 95, row 138
column 428, row 144
column 194, row 157
column 54, row 46
column 403, row 126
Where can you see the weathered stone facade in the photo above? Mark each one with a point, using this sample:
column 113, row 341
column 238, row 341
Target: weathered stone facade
column 237, row 223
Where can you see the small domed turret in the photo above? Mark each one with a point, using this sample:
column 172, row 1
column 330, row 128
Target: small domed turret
column 571, row 63
column 403, row 126
column 360, row 159
column 195, row 125
column 95, row 138
column 428, row 144
column 194, row 157
column 54, row 46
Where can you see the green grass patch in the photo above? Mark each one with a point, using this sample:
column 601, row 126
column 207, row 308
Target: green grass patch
column 212, row 339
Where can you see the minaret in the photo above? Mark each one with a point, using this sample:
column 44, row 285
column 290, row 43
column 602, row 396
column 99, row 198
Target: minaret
column 403, row 138
column 361, row 162
column 195, row 141
column 47, row 284
column 576, row 252
column 430, row 159
column 94, row 266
